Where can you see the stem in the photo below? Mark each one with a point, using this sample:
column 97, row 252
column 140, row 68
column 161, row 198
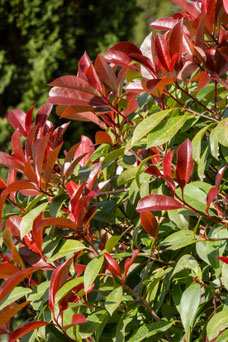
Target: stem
column 118, row 112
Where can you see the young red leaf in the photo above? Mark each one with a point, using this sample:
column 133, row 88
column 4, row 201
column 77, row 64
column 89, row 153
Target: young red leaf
column 106, row 73
column 204, row 79
column 93, row 176
column 162, row 51
column 185, row 163
column 28, row 120
column 149, row 223
column 212, row 194
column 176, row 40
column 58, row 278
column 157, row 203
column 39, row 155
column 7, row 314
column 10, row 161
column 48, row 171
column 14, row 280
column 103, row 138
column 113, row 267
column 16, row 146
column 128, row 263
column 17, row 120
column 188, row 7
column 43, row 113
column 86, row 146
column 25, row 329
column 76, row 319
column 167, row 164
column 224, row 259
column 219, row 176
column 7, row 269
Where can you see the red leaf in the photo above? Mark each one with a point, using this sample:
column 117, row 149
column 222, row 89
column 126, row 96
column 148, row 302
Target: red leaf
column 16, row 146
column 14, row 280
column 113, row 267
column 76, row 319
column 86, row 146
column 167, row 164
column 149, row 223
column 125, row 47
column 86, row 69
column 176, row 40
column 188, row 7
column 204, row 79
column 219, row 176
column 212, row 194
column 117, row 57
column 17, row 120
column 185, row 163
column 7, row 269
column 131, row 107
column 74, row 82
column 157, row 203
column 43, row 113
column 25, row 329
column 28, row 120
column 48, row 171
column 2, row 184
column 166, row 23
column 7, row 314
column 225, row 4
column 162, row 51
column 58, row 278
column 9, row 161
column 128, row 264
column 106, row 73
column 154, row 171
column 224, row 259
column 103, row 138
column 93, row 176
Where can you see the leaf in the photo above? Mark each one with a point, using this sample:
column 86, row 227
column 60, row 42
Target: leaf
column 219, row 177
column 157, row 203
column 222, row 132
column 17, row 120
column 112, row 241
column 214, row 144
column 25, row 329
column 185, row 164
column 113, row 267
column 67, row 287
column 17, row 293
column 76, row 319
column 93, row 323
column 217, row 323
column 146, row 125
column 212, row 194
column 27, row 220
column 149, row 223
column 196, row 143
column 179, row 239
column 127, row 175
column 7, row 269
column 9, row 161
column 165, row 131
column 106, row 73
column 202, row 163
column 14, row 280
column 103, row 138
column 148, row 330
column 190, row 301
column 189, row 262
column 68, row 247
column 58, row 278
column 188, row 7
column 113, row 300
column 91, row 272
column 162, row 51
column 86, row 146
column 7, row 314
column 51, row 163
column 167, row 164
column 8, row 241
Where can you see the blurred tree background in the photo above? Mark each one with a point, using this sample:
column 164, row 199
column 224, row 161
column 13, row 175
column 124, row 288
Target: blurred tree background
column 43, row 39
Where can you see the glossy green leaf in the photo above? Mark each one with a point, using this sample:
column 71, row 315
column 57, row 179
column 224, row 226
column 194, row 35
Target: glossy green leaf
column 93, row 322
column 112, row 241
column 148, row 330
column 196, row 143
column 202, row 163
column 190, row 301
column 125, row 319
column 67, row 248
column 187, row 261
column 127, row 175
column 165, row 131
column 56, row 204
column 112, row 156
column 222, row 132
column 67, row 287
column 28, row 219
column 91, row 271
column 114, row 299
column 223, row 337
column 214, row 143
column 146, row 125
column 179, row 218
column 17, row 293
column 218, row 322
column 179, row 239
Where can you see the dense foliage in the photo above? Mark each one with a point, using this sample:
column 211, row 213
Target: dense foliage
column 124, row 239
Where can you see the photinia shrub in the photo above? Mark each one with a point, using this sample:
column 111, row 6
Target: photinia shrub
column 124, row 238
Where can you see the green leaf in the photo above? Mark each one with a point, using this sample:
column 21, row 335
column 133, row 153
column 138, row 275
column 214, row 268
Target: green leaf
column 39, row 291
column 217, row 323
column 189, row 262
column 17, row 293
column 112, row 156
column 28, row 219
column 190, row 301
column 223, row 337
column 202, row 163
column 224, row 277
column 148, row 330
column 56, row 204
column 179, row 239
column 165, row 131
column 125, row 319
column 67, row 247
column 127, row 175
column 93, row 323
column 67, row 287
column 214, row 144
column 114, row 299
column 146, row 125
column 178, row 217
column 112, row 241
column 91, row 271
column 196, row 143
column 222, row 132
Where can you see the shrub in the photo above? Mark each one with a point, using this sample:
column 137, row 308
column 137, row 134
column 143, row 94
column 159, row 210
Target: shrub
column 125, row 239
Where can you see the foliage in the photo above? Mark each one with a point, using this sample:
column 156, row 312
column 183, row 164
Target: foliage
column 125, row 239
